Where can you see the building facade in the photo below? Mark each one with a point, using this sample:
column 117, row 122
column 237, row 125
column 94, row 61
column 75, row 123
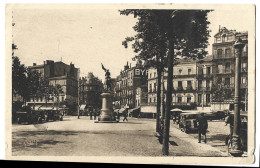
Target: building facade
column 90, row 91
column 127, row 82
column 58, row 73
column 224, row 59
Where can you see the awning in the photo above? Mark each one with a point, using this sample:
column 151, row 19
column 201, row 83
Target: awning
column 46, row 108
column 82, row 107
column 176, row 110
column 148, row 109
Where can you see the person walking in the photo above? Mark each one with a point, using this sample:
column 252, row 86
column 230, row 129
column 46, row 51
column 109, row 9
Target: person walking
column 95, row 114
column 202, row 127
column 125, row 115
column 118, row 116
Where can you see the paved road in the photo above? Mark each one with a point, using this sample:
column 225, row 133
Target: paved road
column 83, row 137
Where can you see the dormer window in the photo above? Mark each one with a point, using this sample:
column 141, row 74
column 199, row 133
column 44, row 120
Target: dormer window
column 224, row 37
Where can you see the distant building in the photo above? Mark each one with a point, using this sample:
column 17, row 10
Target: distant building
column 127, row 82
column 90, row 91
column 58, row 73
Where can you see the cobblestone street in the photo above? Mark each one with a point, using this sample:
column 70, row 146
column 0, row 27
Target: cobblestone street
column 83, row 137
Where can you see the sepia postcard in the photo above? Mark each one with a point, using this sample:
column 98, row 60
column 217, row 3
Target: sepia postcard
column 130, row 83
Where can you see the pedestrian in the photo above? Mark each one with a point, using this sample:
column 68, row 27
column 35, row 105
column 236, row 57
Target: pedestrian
column 118, row 116
column 95, row 114
column 202, row 127
column 125, row 115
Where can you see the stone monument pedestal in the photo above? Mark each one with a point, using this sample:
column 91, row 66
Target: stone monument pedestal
column 107, row 112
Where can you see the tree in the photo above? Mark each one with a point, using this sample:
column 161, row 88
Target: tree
column 169, row 33
column 56, row 90
column 18, row 76
column 33, row 84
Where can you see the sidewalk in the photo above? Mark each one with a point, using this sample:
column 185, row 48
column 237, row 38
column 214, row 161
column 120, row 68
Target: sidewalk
column 199, row 149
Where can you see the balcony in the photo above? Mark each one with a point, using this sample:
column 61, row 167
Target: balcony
column 203, row 76
column 204, row 88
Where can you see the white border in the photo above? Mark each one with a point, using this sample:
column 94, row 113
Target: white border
column 2, row 45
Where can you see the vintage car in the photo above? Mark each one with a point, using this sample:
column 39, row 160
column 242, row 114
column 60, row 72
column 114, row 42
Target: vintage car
column 215, row 115
column 53, row 115
column 29, row 116
column 188, row 121
column 243, row 130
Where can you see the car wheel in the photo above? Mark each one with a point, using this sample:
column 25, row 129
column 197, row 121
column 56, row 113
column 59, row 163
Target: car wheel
column 61, row 118
column 185, row 130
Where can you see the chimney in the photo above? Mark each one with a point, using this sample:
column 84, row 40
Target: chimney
column 219, row 28
column 44, row 62
column 130, row 65
column 34, row 64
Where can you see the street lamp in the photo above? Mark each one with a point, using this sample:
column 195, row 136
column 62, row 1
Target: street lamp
column 236, row 143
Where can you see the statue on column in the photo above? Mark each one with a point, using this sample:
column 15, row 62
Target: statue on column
column 107, row 82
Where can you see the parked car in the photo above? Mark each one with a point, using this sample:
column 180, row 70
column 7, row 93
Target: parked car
column 215, row 115
column 54, row 115
column 29, row 116
column 188, row 122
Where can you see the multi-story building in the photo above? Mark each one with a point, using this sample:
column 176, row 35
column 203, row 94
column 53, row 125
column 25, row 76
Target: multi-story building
column 204, row 79
column 127, row 82
column 58, row 73
column 90, row 91
column 224, row 59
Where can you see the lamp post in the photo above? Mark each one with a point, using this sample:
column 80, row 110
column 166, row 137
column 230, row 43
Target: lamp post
column 236, row 143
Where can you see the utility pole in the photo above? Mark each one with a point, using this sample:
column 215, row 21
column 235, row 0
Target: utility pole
column 236, row 143
column 78, row 91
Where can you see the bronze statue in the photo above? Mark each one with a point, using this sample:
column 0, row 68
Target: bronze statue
column 107, row 82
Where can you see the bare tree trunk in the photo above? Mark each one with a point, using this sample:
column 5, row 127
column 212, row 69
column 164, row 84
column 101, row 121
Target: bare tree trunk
column 158, row 105
column 166, row 127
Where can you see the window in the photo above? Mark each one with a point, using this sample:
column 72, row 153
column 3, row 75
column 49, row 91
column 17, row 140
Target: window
column 207, row 83
column 154, row 100
column 207, row 98
column 244, row 67
column 227, row 68
column 220, row 69
column 154, row 85
column 180, row 84
column 219, row 53
column 150, row 100
column 199, row 84
column 189, row 71
column 199, row 98
column 150, row 87
column 228, row 52
column 208, row 71
column 227, row 81
column 243, row 80
column 224, row 37
column 188, row 99
column 154, row 74
column 150, row 75
column 188, row 84
column 180, row 71
column 62, row 98
column 179, row 99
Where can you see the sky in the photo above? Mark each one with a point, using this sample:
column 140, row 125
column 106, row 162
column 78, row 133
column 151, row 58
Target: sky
column 90, row 37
